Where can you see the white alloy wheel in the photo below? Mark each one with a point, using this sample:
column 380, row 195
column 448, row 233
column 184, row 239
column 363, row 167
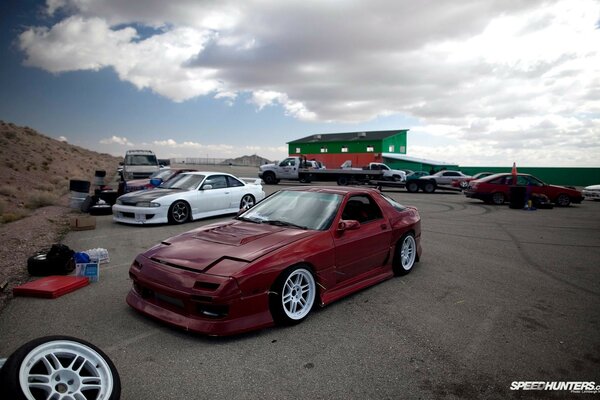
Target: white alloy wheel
column 298, row 294
column 247, row 202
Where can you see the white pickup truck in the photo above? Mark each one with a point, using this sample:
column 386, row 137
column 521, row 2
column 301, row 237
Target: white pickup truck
column 286, row 169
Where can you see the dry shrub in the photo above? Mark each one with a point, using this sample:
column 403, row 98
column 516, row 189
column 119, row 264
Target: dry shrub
column 45, row 187
column 8, row 191
column 5, row 218
column 39, row 199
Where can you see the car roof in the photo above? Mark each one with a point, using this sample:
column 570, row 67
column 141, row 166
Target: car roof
column 206, row 173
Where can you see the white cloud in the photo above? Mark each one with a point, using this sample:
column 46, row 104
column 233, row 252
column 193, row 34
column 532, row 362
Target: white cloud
column 501, row 77
column 117, row 140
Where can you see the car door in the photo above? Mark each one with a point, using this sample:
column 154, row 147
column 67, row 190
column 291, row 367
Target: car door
column 288, row 169
column 361, row 250
column 237, row 190
column 215, row 194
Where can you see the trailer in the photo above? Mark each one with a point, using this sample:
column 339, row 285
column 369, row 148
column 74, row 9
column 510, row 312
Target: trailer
column 343, row 177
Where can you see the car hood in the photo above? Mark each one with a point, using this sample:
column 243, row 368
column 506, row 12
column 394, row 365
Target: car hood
column 593, row 187
column 224, row 248
column 148, row 195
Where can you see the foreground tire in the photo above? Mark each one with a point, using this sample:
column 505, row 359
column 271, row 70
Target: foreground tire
column 563, row 200
column 292, row 296
column 412, row 187
column 247, row 202
column 406, row 254
column 179, row 212
column 59, row 367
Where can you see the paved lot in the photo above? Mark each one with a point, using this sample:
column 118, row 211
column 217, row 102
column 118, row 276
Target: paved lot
column 500, row 295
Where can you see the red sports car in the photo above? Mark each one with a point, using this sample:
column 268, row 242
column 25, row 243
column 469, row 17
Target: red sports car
column 496, row 189
column 273, row 262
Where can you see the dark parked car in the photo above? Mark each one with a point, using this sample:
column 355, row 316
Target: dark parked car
column 271, row 264
column 496, row 189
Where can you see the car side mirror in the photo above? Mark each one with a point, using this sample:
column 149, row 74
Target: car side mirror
column 348, row 225
column 206, row 187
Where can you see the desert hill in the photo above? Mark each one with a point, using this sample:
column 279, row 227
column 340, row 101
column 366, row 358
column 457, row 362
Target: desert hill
column 252, row 160
column 36, row 170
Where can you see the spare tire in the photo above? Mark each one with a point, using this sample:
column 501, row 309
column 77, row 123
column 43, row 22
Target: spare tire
column 101, row 209
column 88, row 203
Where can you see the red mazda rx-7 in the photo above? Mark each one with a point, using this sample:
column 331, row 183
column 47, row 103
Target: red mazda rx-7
column 273, row 262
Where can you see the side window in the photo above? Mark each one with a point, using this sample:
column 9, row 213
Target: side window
column 451, row 174
column 232, row 182
column 361, row 208
column 288, row 162
column 535, row 182
column 522, row 180
column 499, row 181
column 216, row 181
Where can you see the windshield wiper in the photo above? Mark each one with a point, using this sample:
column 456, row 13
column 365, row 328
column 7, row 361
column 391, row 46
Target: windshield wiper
column 283, row 223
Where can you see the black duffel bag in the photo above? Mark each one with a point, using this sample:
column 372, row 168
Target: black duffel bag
column 57, row 261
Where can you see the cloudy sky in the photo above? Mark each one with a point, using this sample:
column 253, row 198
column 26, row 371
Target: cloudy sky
column 476, row 82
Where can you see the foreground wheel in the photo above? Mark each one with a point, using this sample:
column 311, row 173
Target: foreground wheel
column 179, row 212
column 563, row 200
column 247, row 202
column 269, row 178
column 406, row 254
column 498, row 198
column 463, row 184
column 412, row 187
column 59, row 367
column 293, row 296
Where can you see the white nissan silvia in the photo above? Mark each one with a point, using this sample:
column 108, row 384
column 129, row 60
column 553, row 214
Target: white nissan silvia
column 187, row 197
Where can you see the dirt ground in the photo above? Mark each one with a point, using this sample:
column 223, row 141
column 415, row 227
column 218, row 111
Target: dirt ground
column 20, row 239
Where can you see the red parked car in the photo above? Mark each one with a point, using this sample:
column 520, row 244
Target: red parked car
column 297, row 248
column 496, row 189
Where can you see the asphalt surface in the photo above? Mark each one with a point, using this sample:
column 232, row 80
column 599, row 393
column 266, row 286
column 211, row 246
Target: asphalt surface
column 500, row 295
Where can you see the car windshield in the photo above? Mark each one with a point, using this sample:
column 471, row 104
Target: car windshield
column 183, row 182
column 140, row 159
column 162, row 174
column 306, row 210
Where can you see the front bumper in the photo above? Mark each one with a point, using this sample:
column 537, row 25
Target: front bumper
column 140, row 215
column 591, row 194
column 195, row 301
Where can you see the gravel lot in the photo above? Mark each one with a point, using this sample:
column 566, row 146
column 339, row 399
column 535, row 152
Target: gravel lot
column 500, row 295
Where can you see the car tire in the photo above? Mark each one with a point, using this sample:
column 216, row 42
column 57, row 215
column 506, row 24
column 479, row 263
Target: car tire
column 101, row 209
column 247, row 202
column 342, row 181
column 87, row 204
column 406, row 254
column 563, row 200
column 429, row 187
column 269, row 178
column 463, row 184
column 412, row 187
column 498, row 198
column 179, row 212
column 52, row 366
column 293, row 295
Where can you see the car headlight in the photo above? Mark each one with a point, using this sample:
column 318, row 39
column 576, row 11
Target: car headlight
column 147, row 204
